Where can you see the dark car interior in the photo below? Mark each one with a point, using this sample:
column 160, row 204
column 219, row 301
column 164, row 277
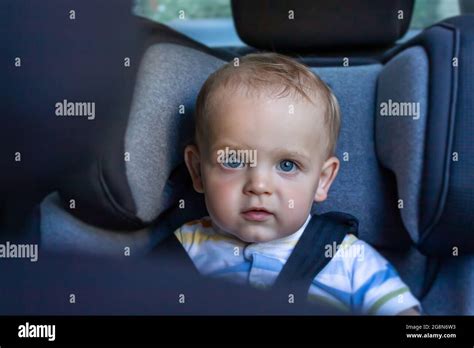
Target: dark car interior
column 99, row 186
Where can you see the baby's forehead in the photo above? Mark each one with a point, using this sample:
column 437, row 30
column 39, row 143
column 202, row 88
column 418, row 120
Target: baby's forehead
column 289, row 99
column 303, row 111
column 267, row 92
column 241, row 92
column 265, row 122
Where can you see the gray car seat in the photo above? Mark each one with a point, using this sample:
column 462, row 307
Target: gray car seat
column 409, row 180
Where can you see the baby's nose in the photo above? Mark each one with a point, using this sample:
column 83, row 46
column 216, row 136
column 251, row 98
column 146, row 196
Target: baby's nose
column 259, row 182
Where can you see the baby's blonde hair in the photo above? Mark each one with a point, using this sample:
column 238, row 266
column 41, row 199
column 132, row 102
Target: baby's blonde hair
column 272, row 73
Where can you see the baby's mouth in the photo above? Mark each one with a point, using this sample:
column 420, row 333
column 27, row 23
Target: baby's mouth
column 256, row 214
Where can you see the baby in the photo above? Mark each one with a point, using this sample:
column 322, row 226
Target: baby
column 265, row 137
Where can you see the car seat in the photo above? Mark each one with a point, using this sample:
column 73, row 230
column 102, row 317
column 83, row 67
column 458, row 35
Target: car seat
column 409, row 180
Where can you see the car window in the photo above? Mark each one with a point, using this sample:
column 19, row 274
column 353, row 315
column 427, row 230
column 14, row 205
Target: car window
column 207, row 21
column 428, row 12
column 166, row 11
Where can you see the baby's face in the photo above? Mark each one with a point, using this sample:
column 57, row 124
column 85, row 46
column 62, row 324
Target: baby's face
column 267, row 193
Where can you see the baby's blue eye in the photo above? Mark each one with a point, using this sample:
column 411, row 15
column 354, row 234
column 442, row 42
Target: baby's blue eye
column 232, row 165
column 287, row 166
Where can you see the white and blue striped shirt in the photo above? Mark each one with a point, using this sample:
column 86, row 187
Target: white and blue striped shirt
column 357, row 279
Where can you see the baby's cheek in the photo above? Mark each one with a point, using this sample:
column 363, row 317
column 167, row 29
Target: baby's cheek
column 221, row 196
column 296, row 197
column 297, row 204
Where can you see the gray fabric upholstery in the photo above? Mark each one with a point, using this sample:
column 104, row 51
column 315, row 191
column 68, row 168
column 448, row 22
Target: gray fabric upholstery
column 400, row 139
column 362, row 188
column 452, row 292
column 61, row 231
column 155, row 126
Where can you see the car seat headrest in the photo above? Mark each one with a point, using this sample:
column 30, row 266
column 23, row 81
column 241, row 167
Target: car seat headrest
column 320, row 24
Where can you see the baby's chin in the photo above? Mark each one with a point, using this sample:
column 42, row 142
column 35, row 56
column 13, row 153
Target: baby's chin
column 253, row 232
column 257, row 234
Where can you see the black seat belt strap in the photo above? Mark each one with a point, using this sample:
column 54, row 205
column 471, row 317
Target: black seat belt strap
column 309, row 255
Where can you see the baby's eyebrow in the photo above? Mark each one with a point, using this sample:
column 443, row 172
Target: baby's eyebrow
column 292, row 154
column 222, row 146
column 281, row 152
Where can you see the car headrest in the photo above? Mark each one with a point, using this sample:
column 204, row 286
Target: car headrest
column 320, row 24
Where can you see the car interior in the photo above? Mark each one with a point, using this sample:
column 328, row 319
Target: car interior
column 96, row 186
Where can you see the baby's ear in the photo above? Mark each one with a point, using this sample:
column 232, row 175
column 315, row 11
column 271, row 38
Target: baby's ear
column 192, row 158
column 326, row 178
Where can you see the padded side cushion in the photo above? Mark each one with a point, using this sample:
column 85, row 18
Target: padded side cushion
column 446, row 195
column 400, row 121
column 453, row 226
column 127, row 187
column 161, row 121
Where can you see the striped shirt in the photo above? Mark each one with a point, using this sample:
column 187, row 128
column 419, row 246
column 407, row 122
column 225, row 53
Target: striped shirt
column 357, row 279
